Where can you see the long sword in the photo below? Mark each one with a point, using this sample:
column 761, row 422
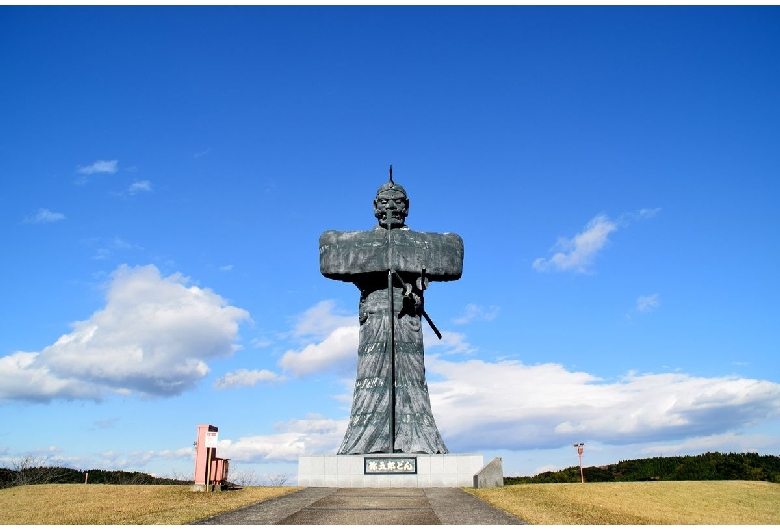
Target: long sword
column 391, row 342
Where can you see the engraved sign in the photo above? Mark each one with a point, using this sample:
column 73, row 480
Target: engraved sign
column 389, row 465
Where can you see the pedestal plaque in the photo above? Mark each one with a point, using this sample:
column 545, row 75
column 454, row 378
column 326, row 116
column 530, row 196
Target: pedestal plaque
column 389, row 465
column 352, row 471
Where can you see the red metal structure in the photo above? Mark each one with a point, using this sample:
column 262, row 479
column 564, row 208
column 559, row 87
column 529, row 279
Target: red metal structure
column 211, row 472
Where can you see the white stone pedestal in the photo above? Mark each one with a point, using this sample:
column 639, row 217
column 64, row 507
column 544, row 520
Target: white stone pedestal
column 350, row 471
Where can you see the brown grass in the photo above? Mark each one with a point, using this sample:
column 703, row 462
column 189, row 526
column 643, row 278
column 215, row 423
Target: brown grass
column 713, row 502
column 716, row 502
column 93, row 504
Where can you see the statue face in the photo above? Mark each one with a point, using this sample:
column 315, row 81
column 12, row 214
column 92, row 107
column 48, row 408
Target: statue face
column 393, row 203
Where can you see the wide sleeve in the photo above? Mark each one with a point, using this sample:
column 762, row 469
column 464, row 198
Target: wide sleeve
column 344, row 254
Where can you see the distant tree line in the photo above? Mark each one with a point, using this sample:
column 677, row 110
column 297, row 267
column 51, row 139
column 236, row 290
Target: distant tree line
column 709, row 466
column 29, row 471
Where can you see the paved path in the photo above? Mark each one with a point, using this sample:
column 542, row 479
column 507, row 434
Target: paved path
column 368, row 506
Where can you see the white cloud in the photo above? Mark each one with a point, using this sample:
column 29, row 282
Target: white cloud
column 258, row 342
column 139, row 186
column 338, row 335
column 474, row 312
column 647, row 213
column 244, row 377
column 44, row 216
column 126, row 460
column 337, row 350
column 645, row 304
column 509, row 405
column 506, row 405
column 578, row 253
column 154, row 336
column 450, row 342
column 321, row 320
column 226, row 268
column 730, row 441
column 100, row 166
column 335, row 346
column 134, row 460
column 23, row 377
column 313, row 435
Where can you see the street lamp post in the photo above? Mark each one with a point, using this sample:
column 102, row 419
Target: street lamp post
column 580, row 448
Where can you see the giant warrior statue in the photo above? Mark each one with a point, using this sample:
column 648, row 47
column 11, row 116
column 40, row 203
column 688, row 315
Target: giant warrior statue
column 391, row 265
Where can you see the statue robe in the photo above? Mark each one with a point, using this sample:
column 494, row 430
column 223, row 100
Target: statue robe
column 361, row 258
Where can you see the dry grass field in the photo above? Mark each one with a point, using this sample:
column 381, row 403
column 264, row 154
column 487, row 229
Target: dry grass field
column 710, row 503
column 93, row 504
column 716, row 502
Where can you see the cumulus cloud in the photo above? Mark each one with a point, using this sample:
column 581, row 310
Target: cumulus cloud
column 139, row 186
column 527, row 407
column 491, row 406
column 44, row 216
column 244, row 377
column 330, row 340
column 99, row 166
column 313, row 435
column 474, row 312
column 449, row 343
column 482, row 405
column 321, row 320
column 338, row 350
column 523, row 407
column 645, row 304
column 154, row 336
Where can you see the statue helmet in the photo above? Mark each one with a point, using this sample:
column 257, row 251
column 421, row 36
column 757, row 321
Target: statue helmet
column 392, row 186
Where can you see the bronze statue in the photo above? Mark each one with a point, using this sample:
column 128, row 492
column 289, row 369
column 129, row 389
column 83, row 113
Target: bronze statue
column 391, row 265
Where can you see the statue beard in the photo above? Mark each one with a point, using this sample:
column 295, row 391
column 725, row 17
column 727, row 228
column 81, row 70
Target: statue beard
column 398, row 218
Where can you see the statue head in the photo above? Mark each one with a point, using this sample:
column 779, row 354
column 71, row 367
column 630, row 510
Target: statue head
column 391, row 200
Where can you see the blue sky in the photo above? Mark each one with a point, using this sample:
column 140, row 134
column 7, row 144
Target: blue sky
column 613, row 172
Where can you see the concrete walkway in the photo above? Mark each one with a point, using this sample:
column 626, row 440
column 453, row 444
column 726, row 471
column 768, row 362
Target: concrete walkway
column 368, row 506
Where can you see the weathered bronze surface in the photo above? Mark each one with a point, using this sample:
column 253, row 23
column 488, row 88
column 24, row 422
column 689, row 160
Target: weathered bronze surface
column 391, row 265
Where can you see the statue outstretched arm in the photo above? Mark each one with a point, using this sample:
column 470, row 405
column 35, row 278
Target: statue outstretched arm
column 345, row 254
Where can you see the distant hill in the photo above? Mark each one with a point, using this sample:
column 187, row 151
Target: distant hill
column 709, row 466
